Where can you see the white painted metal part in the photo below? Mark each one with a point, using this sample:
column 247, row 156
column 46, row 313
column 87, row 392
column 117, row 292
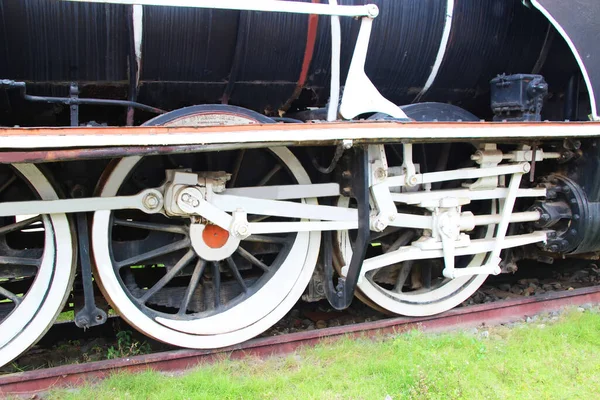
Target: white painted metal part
column 296, row 7
column 52, row 285
column 334, row 82
column 360, row 95
column 273, row 134
column 441, row 51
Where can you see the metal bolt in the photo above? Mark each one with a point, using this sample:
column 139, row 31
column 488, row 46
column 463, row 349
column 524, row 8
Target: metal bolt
column 195, row 203
column 380, row 225
column 185, row 197
column 380, row 173
column 242, row 230
column 372, row 10
column 346, row 174
column 553, row 248
column 545, row 217
column 83, row 321
column 392, row 217
column 151, row 201
column 576, row 217
column 347, row 143
column 412, row 180
column 526, row 167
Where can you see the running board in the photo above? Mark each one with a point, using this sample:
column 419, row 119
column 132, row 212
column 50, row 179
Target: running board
column 54, row 144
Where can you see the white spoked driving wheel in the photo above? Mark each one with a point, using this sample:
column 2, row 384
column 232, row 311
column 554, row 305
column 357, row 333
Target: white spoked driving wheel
column 166, row 286
column 417, row 287
column 412, row 288
column 36, row 262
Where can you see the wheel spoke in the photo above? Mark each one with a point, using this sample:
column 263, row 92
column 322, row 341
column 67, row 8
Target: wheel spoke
column 10, row 295
column 402, row 276
column 403, row 240
column 217, row 284
column 236, row 168
column 17, row 226
column 269, row 175
column 8, row 183
column 17, row 271
column 151, row 226
column 265, row 239
column 236, row 274
column 189, row 292
column 388, row 231
column 253, row 260
column 139, row 185
column 259, row 218
column 5, row 309
column 20, row 261
column 426, row 275
column 183, row 261
column 161, row 251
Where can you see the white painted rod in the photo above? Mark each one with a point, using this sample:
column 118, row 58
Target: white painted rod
column 296, row 7
column 526, row 216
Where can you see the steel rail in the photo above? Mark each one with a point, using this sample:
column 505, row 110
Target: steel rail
column 268, row 135
column 27, row 383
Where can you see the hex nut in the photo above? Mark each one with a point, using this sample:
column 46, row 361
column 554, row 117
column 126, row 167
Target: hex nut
column 151, row 201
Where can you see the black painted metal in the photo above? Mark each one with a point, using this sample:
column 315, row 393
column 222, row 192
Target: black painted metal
column 572, row 98
column 75, row 100
column 580, row 21
column 574, row 220
column 342, row 294
column 195, row 56
column 89, row 315
column 73, row 96
column 518, row 97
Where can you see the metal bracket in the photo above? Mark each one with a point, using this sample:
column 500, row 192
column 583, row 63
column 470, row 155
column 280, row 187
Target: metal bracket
column 74, row 108
column 89, row 315
column 360, row 94
column 341, row 295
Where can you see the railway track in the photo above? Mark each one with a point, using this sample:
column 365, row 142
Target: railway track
column 32, row 382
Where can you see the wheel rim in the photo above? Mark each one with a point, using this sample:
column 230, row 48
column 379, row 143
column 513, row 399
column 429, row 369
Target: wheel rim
column 241, row 315
column 39, row 294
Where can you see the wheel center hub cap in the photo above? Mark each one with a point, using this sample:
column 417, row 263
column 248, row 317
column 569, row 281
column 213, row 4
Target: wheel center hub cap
column 214, row 236
column 211, row 242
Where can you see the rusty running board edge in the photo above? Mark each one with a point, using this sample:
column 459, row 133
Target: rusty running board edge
column 61, row 143
column 26, row 383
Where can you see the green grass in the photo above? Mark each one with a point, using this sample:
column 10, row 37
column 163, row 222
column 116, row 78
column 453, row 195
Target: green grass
column 556, row 361
column 66, row 316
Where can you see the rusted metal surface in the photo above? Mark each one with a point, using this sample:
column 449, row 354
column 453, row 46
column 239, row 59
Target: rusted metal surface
column 488, row 314
column 266, row 135
column 43, row 156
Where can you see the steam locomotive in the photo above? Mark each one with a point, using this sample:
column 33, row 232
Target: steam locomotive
column 207, row 164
